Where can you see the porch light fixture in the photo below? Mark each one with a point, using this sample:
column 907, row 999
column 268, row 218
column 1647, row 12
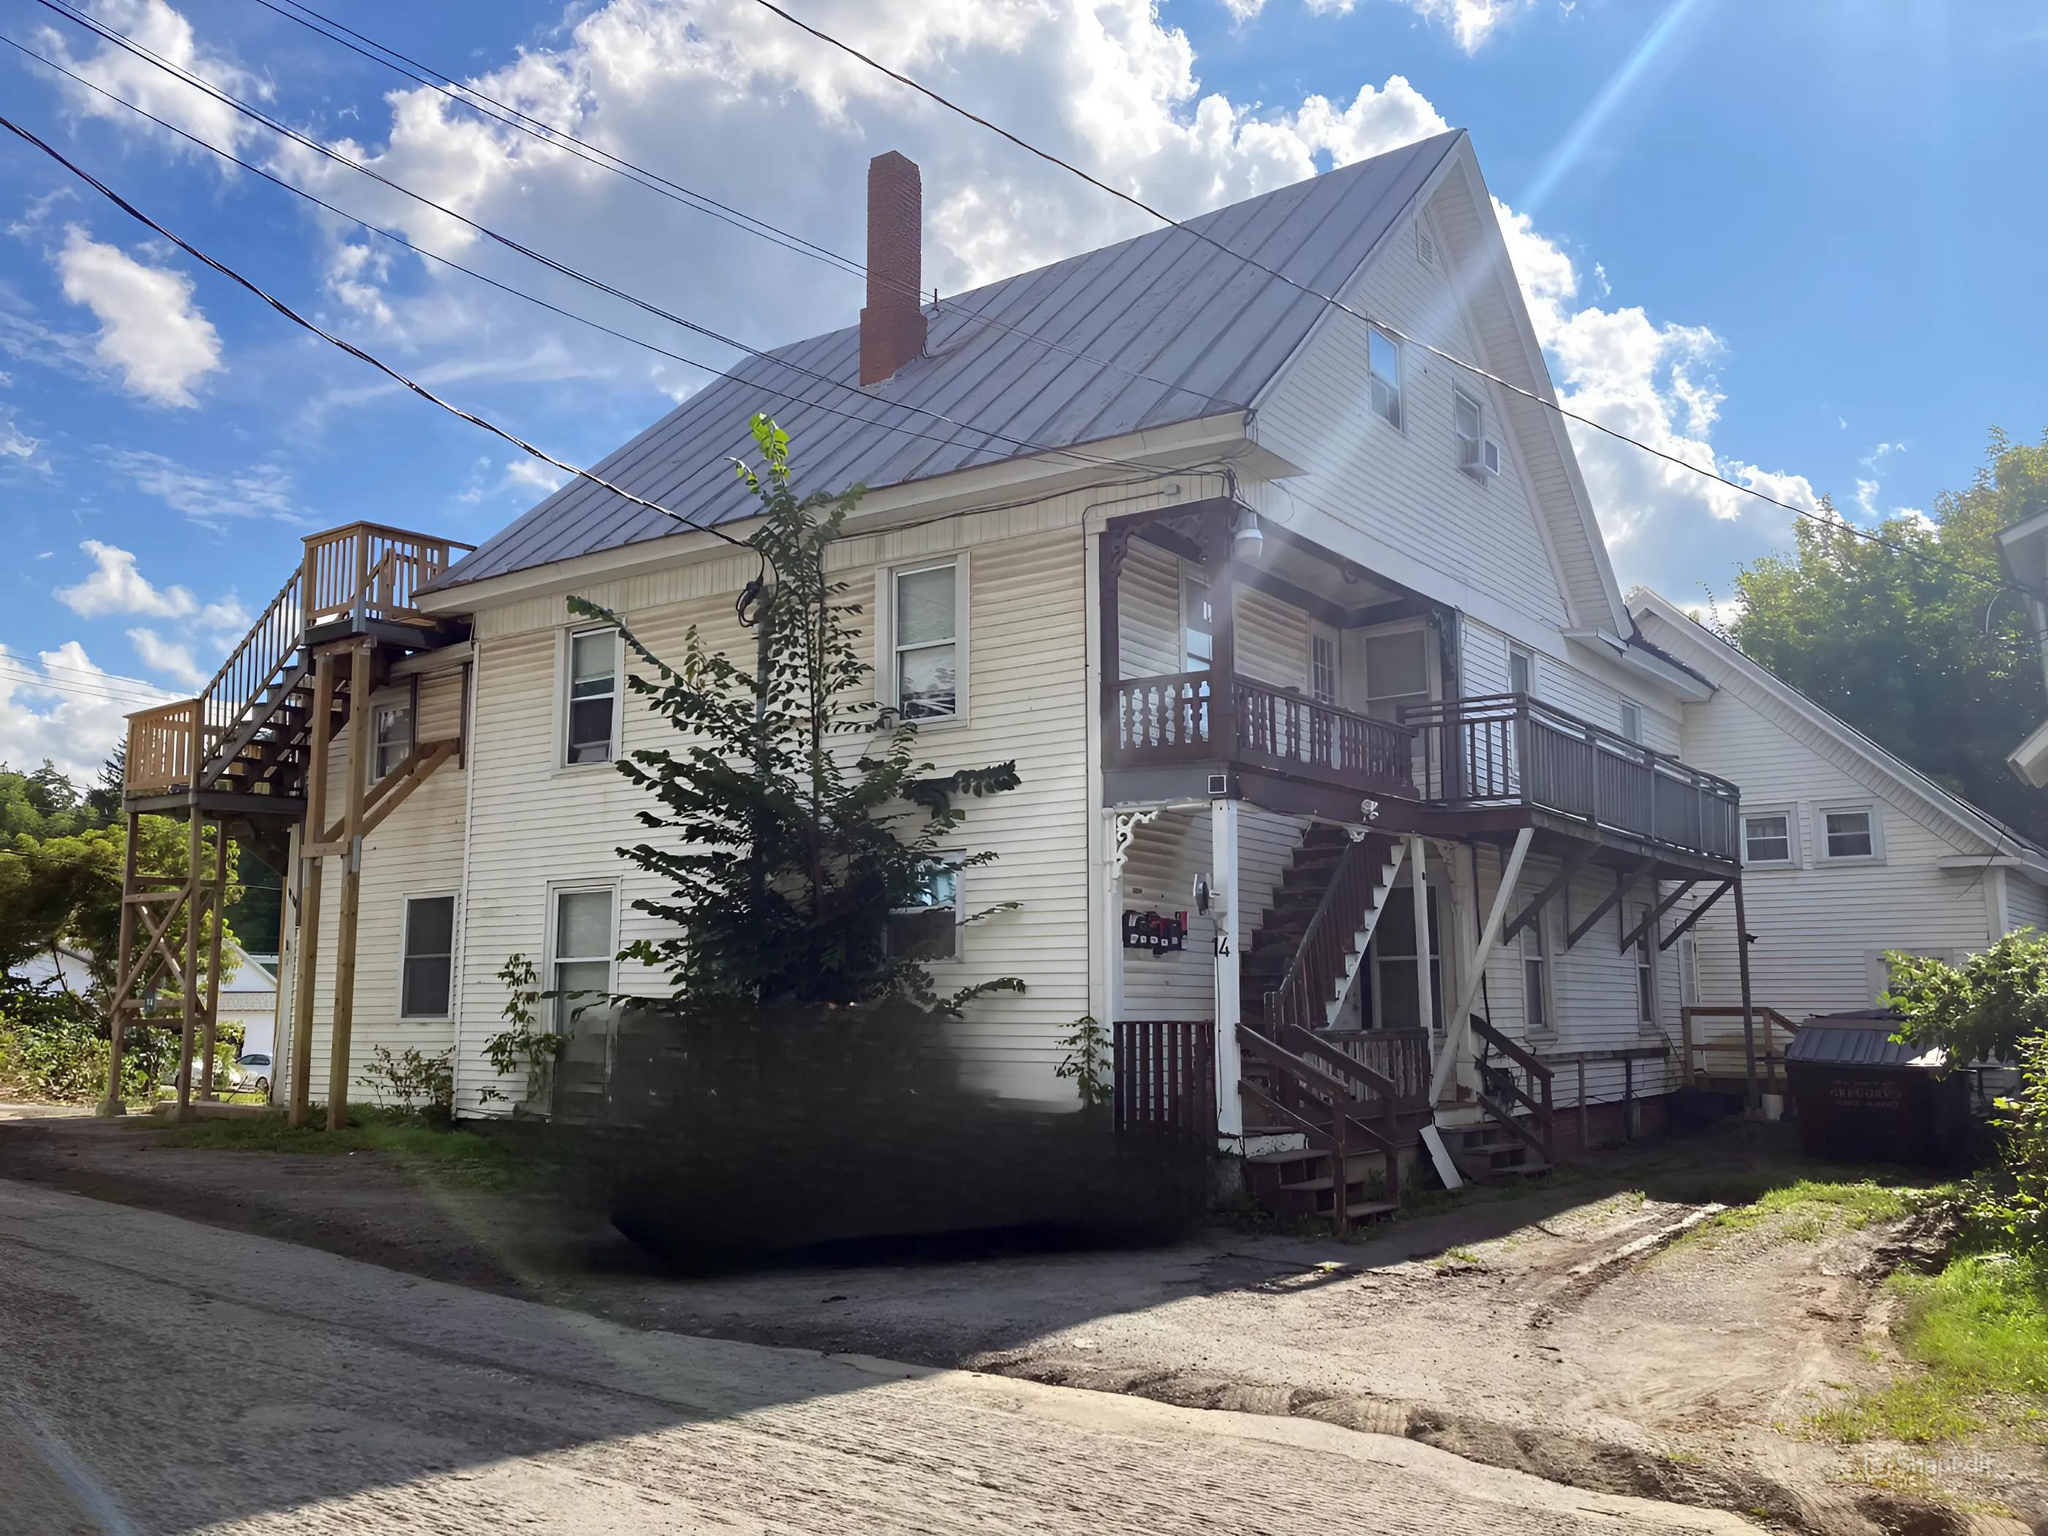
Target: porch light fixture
column 1247, row 539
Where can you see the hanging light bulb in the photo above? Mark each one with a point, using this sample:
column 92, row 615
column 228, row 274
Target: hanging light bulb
column 1247, row 539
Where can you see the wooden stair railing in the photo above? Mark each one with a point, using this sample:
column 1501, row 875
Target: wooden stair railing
column 1307, row 994
column 249, row 686
column 1503, row 1096
column 1309, row 1089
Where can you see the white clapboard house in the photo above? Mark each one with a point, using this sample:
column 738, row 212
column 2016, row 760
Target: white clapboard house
column 1267, row 600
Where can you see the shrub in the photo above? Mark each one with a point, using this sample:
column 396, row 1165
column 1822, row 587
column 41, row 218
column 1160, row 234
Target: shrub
column 419, row 1087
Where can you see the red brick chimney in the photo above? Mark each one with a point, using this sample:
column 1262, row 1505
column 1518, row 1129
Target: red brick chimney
column 892, row 325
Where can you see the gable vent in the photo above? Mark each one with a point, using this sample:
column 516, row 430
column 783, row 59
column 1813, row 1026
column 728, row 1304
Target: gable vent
column 1425, row 246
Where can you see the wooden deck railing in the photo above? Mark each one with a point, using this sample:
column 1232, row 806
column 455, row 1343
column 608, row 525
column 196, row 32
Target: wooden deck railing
column 1178, row 718
column 1165, row 1077
column 164, row 744
column 1399, row 1055
column 1510, row 749
column 1711, row 1043
column 368, row 571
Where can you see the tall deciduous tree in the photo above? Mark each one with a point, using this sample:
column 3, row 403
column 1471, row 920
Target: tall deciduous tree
column 795, row 811
column 1914, row 641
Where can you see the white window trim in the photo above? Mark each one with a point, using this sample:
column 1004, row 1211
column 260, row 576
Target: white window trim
column 1528, row 655
column 885, row 636
column 1630, row 707
column 403, row 702
column 1547, row 952
column 454, row 953
column 557, row 889
column 1820, row 832
column 1791, row 814
column 959, row 910
column 1648, row 942
column 563, row 651
column 1478, row 405
column 1400, row 380
column 1318, row 630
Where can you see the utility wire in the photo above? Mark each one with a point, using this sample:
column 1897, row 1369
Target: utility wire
column 128, row 45
column 93, row 674
column 467, row 95
column 482, row 277
column 351, row 348
column 1399, row 335
column 24, row 675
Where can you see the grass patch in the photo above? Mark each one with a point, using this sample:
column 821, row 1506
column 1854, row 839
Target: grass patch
column 1978, row 1332
column 1808, row 1209
column 457, row 1157
column 1917, row 1410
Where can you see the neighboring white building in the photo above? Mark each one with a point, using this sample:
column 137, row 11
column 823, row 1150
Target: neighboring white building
column 1252, row 590
column 69, row 968
column 1847, row 851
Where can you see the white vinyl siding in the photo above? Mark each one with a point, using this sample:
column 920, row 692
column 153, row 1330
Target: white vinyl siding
column 416, row 850
column 1031, row 702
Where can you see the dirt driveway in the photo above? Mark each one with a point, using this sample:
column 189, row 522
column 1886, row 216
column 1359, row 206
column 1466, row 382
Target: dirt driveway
column 1603, row 1331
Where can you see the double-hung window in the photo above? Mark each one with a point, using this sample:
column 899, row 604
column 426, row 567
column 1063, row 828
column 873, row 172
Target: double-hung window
column 928, row 926
column 390, row 738
column 1468, row 421
column 1768, row 838
column 591, row 720
column 580, row 958
column 1646, row 972
column 926, row 642
column 427, row 963
column 1322, row 664
column 1851, row 833
column 1383, row 364
column 1535, row 941
column 1632, row 721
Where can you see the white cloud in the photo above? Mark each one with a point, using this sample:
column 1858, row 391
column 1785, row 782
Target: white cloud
column 264, row 490
column 1657, row 382
column 1470, row 22
column 157, row 27
column 116, row 585
column 62, row 707
column 18, row 445
column 151, row 332
column 532, row 475
column 226, row 616
column 170, row 658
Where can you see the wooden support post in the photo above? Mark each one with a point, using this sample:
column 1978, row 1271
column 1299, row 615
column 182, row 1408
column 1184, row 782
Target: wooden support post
column 114, row 1103
column 1685, row 1046
column 306, row 958
column 358, row 767
column 1585, row 1130
column 1221, row 570
column 195, row 830
column 293, row 877
column 1751, row 1100
column 1457, row 1025
column 1425, row 983
column 1229, row 930
column 217, row 914
column 1628, row 1098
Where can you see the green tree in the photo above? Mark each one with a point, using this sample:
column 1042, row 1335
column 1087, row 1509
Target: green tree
column 1983, row 1010
column 795, row 812
column 1914, row 645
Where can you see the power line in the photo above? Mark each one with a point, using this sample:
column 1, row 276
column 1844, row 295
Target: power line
column 350, row 347
column 449, row 262
column 120, row 40
column 468, row 96
column 28, row 677
column 1399, row 335
column 111, row 678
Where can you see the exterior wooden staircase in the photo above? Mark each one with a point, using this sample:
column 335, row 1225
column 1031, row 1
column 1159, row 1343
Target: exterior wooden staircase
column 248, row 753
column 1352, row 1100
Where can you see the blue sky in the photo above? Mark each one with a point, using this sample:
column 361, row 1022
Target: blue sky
column 1801, row 242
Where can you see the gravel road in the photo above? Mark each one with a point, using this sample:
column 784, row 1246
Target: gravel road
column 161, row 1376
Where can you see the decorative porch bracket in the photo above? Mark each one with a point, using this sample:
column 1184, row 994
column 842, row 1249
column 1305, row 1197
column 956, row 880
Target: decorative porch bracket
column 1457, row 1025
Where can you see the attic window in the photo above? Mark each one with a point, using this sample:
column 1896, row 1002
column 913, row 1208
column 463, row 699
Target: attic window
column 1384, row 365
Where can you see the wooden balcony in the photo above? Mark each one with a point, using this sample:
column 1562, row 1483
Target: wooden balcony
column 1180, row 719
column 1511, row 751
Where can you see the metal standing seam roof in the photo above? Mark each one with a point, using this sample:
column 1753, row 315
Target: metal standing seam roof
column 1205, row 330
column 1859, row 1040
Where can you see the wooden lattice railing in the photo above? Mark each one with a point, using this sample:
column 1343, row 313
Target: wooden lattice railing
column 1165, row 1077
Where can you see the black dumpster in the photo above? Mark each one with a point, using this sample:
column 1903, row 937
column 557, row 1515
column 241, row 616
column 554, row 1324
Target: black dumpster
column 1862, row 1097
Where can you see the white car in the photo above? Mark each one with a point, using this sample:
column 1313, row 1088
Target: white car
column 250, row 1074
